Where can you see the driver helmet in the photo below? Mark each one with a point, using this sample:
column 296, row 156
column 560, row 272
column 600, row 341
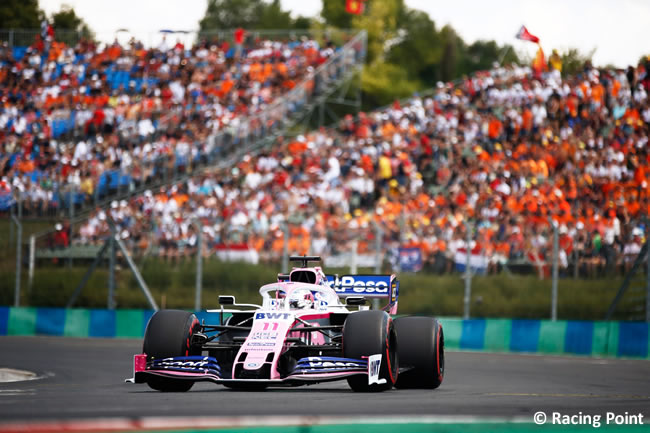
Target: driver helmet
column 301, row 299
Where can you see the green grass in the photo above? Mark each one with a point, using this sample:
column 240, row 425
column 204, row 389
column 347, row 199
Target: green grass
column 173, row 285
column 521, row 296
column 8, row 245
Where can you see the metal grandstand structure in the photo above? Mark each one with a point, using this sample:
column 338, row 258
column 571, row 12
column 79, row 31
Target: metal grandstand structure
column 632, row 300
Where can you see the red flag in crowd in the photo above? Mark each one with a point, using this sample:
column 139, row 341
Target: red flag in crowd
column 525, row 35
column 354, row 6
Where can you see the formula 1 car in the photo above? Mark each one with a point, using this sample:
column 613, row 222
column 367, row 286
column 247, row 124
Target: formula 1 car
column 301, row 334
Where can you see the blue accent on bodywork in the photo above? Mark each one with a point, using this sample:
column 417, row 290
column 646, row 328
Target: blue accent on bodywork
column 331, row 359
column 328, row 364
column 190, row 364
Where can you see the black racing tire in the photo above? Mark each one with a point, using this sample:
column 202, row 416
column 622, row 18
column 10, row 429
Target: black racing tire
column 368, row 333
column 168, row 334
column 421, row 352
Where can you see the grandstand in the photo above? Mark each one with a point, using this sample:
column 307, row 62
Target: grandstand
column 109, row 123
column 506, row 148
column 502, row 148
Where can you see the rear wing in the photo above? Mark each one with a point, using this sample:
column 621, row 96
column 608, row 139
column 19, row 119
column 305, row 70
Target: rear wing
column 369, row 286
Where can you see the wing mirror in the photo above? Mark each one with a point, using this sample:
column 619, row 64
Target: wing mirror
column 226, row 300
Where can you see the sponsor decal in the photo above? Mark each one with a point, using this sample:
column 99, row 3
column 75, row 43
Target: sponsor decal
column 252, row 365
column 260, row 344
column 274, row 316
column 317, row 362
column 194, row 364
column 264, row 335
column 170, row 362
column 361, row 284
column 374, row 364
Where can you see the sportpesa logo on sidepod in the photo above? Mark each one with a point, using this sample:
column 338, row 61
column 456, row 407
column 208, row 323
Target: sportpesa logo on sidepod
column 360, row 284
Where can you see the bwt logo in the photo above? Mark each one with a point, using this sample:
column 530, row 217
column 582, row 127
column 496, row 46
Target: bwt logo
column 359, row 285
column 276, row 316
column 374, row 367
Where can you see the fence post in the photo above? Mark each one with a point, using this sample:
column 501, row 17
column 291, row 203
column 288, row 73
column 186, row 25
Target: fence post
column 73, row 190
column 378, row 259
column 378, row 238
column 32, row 259
column 353, row 255
column 647, row 284
column 199, row 266
column 468, row 273
column 71, row 203
column 285, row 248
column 555, row 270
column 19, row 241
column 110, row 303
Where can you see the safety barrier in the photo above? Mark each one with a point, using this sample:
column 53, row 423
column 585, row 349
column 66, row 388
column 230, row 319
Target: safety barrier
column 562, row 337
column 80, row 322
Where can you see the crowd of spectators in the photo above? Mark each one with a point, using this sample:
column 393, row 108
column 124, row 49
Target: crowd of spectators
column 88, row 119
column 506, row 150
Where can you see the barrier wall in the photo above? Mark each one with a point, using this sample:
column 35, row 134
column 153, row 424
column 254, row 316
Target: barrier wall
column 563, row 337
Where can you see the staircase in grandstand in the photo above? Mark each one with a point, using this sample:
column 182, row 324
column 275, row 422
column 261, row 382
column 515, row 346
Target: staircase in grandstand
column 326, row 84
column 632, row 301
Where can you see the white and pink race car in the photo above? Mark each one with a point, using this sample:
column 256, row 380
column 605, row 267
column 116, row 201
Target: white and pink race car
column 301, row 334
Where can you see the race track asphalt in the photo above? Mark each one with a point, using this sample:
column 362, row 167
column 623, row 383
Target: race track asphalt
column 84, row 378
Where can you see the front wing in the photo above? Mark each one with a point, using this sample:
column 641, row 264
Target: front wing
column 207, row 369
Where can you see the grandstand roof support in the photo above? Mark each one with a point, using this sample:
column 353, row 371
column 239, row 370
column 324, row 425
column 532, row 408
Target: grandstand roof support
column 628, row 278
column 111, row 242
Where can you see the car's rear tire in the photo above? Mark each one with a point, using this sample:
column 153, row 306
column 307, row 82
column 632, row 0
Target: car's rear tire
column 368, row 333
column 422, row 349
column 168, row 334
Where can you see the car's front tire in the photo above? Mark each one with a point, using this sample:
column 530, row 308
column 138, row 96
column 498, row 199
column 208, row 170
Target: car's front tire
column 421, row 351
column 168, row 334
column 367, row 333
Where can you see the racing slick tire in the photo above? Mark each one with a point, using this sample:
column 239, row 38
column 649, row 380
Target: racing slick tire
column 368, row 333
column 168, row 334
column 421, row 352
